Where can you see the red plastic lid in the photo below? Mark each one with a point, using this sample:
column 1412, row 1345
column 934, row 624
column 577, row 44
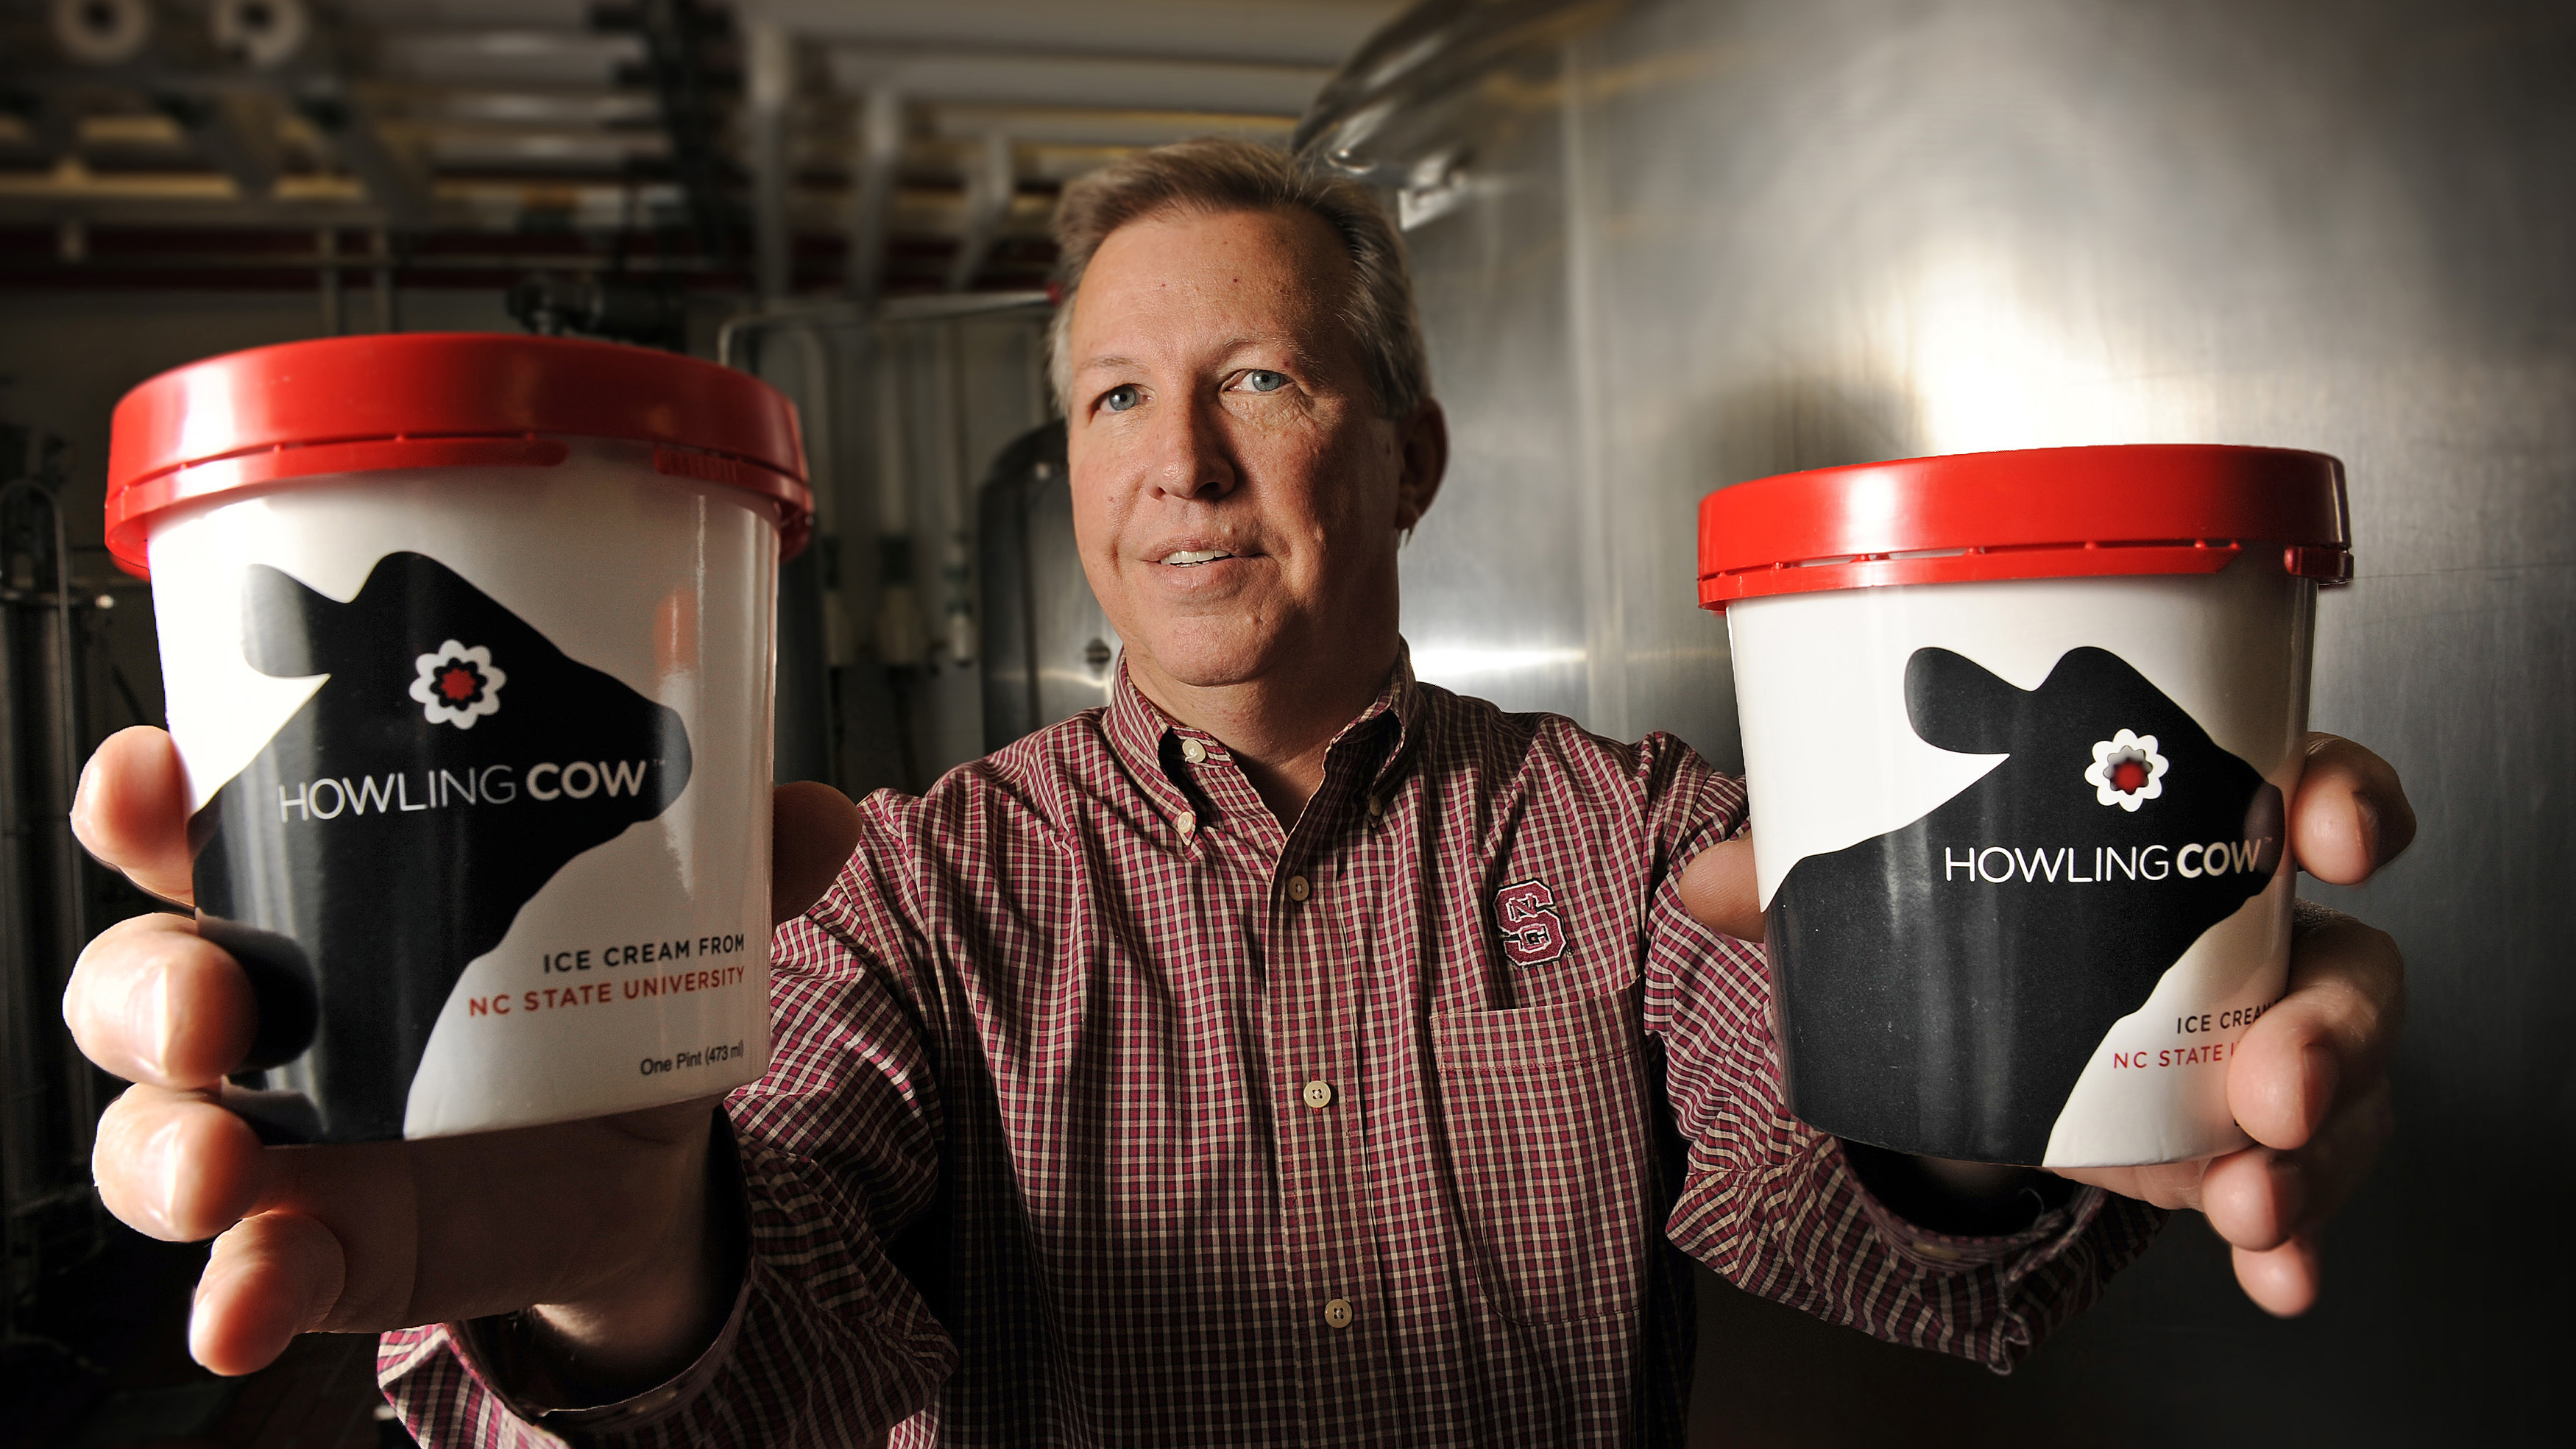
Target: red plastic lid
column 2045, row 513
column 264, row 418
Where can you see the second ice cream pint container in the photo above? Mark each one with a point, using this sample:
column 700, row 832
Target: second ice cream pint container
column 2019, row 732
column 467, row 646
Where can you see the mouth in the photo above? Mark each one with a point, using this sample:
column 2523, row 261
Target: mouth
column 1192, row 557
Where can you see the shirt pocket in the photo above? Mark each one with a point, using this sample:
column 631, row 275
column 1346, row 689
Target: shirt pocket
column 1545, row 1113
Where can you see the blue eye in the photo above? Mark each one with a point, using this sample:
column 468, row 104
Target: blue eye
column 1122, row 397
column 1263, row 380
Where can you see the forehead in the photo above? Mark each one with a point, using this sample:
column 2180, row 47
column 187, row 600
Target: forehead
column 1278, row 271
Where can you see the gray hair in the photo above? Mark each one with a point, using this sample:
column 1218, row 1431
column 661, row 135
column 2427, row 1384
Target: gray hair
column 1214, row 176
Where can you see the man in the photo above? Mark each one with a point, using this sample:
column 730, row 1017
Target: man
column 1163, row 1078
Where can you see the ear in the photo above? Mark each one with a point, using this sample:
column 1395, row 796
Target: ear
column 281, row 620
column 1423, row 439
column 1957, row 704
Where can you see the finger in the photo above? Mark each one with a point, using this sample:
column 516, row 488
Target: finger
column 152, row 1001
column 615, row 1185
column 2351, row 815
column 174, row 1166
column 132, row 811
column 2282, row 1281
column 2172, row 1185
column 813, row 830
column 2259, row 1198
column 270, row 1278
column 2336, row 1027
column 450, row 1228
column 1718, row 889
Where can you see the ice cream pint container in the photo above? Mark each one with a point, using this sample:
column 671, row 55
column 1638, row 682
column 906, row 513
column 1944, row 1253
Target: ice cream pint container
column 2019, row 732
column 467, row 647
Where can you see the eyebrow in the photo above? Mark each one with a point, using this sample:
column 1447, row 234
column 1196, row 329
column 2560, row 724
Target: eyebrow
column 1299, row 354
column 1112, row 361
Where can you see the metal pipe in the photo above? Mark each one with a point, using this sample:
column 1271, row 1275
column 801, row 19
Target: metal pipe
column 822, row 461
column 388, row 302
column 327, row 242
column 770, row 83
column 989, row 189
column 1108, row 84
column 956, row 506
column 878, row 164
column 79, row 1095
column 731, row 332
column 898, row 613
column 68, row 715
column 333, row 261
column 1238, row 30
column 21, row 1129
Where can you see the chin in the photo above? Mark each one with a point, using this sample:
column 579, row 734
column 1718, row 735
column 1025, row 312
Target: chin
column 1203, row 658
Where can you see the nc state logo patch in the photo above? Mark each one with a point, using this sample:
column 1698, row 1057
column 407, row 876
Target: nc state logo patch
column 1533, row 933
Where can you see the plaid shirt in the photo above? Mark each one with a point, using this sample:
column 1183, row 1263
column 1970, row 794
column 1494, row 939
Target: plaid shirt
column 1103, row 1109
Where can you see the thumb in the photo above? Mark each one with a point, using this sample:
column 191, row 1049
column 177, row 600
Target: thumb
column 812, row 830
column 1718, row 890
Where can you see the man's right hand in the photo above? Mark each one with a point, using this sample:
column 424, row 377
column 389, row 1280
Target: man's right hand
column 604, row 1226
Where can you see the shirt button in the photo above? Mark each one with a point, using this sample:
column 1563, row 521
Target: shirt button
column 1338, row 1313
column 1298, row 890
column 1377, row 807
column 1319, row 1095
column 1187, row 822
column 1194, row 752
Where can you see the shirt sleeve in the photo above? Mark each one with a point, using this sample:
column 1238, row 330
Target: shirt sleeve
column 1774, row 1206
column 828, row 1343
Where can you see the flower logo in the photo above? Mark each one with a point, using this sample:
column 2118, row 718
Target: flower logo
column 457, row 685
column 2126, row 771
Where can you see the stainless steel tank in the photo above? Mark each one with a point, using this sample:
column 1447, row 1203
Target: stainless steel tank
column 1665, row 247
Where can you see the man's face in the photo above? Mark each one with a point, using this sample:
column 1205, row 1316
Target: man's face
column 1236, row 495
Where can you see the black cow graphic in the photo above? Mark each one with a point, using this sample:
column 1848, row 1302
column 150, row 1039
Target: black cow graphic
column 388, row 834
column 1939, row 1009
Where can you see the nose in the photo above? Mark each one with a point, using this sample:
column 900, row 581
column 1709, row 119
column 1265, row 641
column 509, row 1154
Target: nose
column 1192, row 457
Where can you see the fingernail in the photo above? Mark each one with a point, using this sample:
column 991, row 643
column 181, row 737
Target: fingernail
column 160, row 1169
column 148, row 1006
column 2368, row 810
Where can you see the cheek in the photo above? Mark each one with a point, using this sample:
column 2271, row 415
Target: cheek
column 1098, row 514
column 1356, row 486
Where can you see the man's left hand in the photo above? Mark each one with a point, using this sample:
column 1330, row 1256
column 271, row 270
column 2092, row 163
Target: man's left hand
column 2309, row 1080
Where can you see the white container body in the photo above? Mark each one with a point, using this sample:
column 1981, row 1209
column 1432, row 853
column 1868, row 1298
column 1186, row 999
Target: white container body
column 1834, row 760
column 636, row 973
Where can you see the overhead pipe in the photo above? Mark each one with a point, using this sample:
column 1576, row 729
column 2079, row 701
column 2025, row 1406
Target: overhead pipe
column 224, row 141
column 388, row 300
column 1313, row 34
column 878, row 166
column 352, row 136
column 989, row 190
column 899, row 630
column 326, row 242
column 769, row 85
column 1082, row 81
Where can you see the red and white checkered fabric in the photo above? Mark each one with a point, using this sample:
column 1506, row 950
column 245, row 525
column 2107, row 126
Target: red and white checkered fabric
column 1037, row 1158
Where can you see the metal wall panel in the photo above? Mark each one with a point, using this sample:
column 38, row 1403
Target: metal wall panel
column 1048, row 648
column 1664, row 247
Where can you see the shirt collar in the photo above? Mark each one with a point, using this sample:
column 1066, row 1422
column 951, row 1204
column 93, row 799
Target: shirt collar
column 1137, row 728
